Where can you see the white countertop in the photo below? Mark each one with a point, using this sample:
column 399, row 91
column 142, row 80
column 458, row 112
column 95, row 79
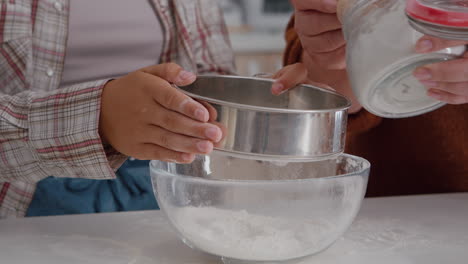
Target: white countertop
column 401, row 230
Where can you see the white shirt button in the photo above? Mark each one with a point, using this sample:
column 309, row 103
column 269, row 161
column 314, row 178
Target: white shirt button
column 50, row 72
column 58, row 6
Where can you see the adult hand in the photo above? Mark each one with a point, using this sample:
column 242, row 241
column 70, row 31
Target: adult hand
column 324, row 46
column 319, row 30
column 144, row 116
column 446, row 81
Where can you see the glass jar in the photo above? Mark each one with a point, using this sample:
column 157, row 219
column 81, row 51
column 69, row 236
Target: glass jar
column 381, row 56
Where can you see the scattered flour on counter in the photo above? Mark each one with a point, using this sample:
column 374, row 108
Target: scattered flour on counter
column 240, row 235
column 70, row 249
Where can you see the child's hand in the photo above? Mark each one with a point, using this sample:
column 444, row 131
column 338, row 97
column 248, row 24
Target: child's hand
column 143, row 116
column 446, row 81
column 291, row 76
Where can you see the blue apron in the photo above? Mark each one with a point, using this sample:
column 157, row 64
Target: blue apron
column 131, row 191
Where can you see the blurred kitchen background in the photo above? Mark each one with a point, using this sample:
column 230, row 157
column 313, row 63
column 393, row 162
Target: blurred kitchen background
column 257, row 33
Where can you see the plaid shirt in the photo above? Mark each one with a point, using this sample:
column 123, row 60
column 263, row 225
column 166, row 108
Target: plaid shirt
column 46, row 131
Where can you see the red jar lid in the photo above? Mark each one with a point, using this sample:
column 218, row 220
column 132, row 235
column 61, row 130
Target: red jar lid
column 453, row 13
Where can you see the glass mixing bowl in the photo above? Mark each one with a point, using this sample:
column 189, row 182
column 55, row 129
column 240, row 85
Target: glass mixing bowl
column 248, row 210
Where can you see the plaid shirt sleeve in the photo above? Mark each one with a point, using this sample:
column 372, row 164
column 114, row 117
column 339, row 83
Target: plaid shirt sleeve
column 54, row 134
column 51, row 134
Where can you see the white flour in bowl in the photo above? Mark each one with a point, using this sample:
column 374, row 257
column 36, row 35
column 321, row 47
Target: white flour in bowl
column 240, row 235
